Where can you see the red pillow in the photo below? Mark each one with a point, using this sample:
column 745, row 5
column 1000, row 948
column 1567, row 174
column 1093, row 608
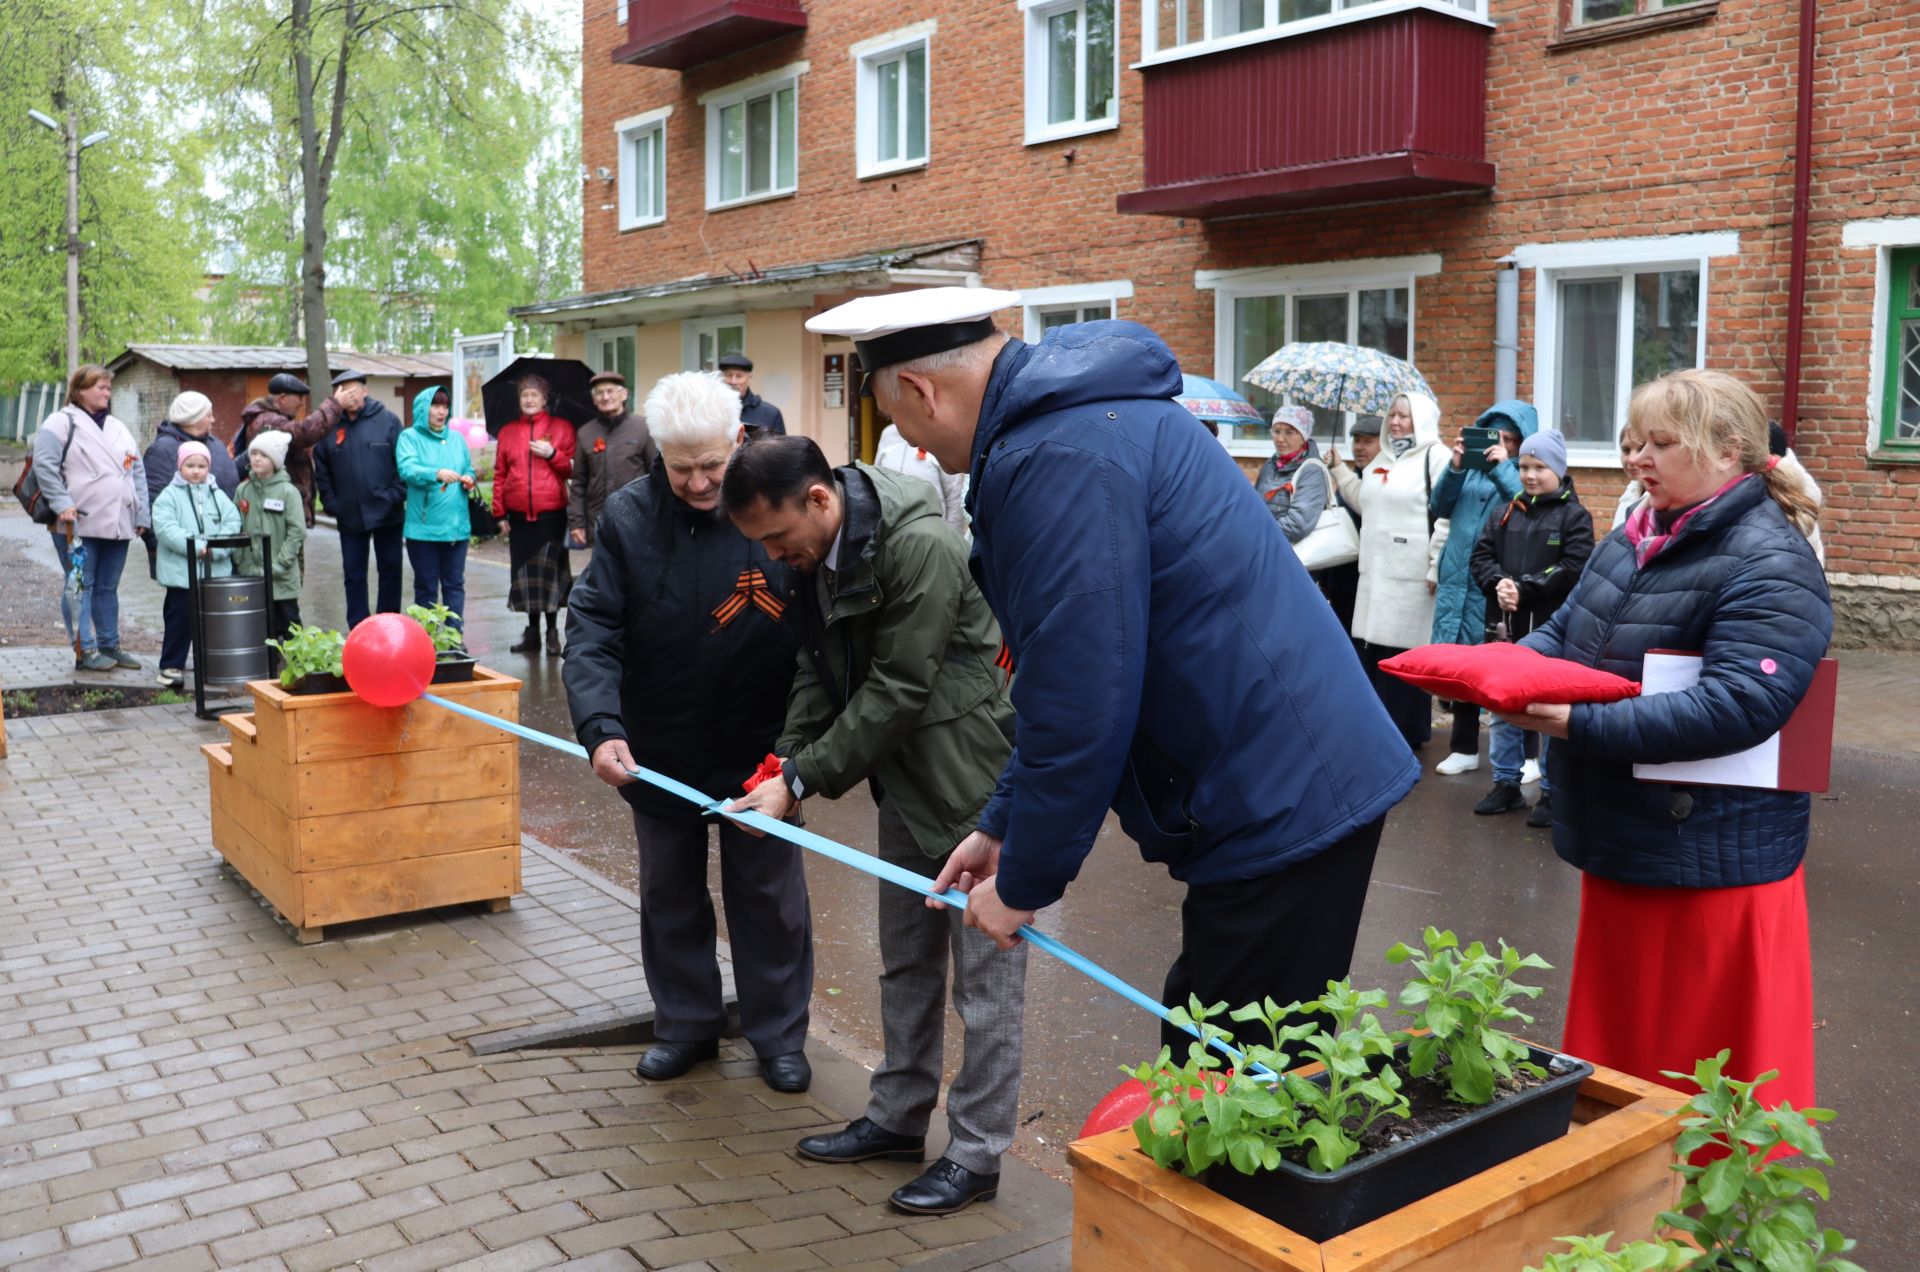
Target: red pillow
column 1505, row 677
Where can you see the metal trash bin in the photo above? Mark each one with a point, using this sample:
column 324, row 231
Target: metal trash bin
column 233, row 626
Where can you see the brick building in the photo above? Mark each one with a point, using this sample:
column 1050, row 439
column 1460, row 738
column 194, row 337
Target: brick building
column 1551, row 199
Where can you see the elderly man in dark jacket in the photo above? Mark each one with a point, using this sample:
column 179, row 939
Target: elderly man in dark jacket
column 758, row 414
column 899, row 684
column 609, row 451
column 681, row 639
column 359, row 481
column 284, row 410
column 1175, row 663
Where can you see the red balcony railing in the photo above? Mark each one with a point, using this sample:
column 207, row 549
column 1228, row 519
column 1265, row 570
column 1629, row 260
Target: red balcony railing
column 677, row 34
column 1376, row 108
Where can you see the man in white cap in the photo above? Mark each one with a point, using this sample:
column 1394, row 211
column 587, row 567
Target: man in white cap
column 1173, row 660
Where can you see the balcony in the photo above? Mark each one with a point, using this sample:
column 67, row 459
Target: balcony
column 1360, row 108
column 677, row 34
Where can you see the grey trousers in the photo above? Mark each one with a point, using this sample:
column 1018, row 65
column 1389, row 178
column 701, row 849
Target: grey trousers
column 764, row 888
column 989, row 993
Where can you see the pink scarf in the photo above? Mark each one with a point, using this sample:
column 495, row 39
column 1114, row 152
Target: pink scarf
column 1649, row 541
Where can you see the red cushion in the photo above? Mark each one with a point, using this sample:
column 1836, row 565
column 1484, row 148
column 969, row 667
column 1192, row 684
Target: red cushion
column 1505, row 677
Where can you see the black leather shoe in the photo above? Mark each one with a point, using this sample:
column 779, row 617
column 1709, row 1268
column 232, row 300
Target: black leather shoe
column 789, row 1073
column 861, row 1140
column 946, row 1187
column 527, row 644
column 668, row 1060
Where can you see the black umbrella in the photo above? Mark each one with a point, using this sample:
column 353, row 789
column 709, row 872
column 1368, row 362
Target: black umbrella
column 572, row 400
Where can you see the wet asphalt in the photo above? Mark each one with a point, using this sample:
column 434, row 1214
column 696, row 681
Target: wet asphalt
column 1438, row 864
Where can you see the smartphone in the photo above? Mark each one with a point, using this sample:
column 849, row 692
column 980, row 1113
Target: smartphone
column 1477, row 440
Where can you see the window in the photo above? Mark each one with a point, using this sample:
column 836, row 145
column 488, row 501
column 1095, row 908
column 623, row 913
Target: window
column 891, row 102
column 1900, row 410
column 1073, row 64
column 1609, row 316
column 1180, row 28
column 612, row 351
column 1587, row 12
column 1050, row 307
column 753, row 134
column 643, row 169
column 1368, row 303
column 705, row 341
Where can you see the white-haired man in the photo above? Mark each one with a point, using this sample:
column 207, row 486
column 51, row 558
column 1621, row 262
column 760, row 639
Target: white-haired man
column 681, row 647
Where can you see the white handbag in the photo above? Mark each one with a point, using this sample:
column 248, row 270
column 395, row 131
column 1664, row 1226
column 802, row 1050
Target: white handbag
column 1334, row 539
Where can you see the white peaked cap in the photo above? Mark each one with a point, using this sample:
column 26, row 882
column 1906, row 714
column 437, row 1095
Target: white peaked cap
column 906, row 325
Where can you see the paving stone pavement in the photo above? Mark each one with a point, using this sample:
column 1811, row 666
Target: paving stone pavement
column 184, row 1087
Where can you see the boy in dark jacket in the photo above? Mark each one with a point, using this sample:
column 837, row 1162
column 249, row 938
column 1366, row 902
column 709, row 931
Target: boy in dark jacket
column 1527, row 561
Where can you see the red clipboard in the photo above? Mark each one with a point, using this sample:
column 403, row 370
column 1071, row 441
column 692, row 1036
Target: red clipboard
column 1798, row 758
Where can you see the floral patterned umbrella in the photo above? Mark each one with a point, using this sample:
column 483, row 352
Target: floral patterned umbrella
column 1337, row 377
column 1214, row 401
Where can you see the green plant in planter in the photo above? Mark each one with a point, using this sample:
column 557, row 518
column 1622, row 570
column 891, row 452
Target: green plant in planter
column 1746, row 1212
column 1462, row 998
column 309, row 651
column 1360, row 1088
column 438, row 621
column 1590, row 1254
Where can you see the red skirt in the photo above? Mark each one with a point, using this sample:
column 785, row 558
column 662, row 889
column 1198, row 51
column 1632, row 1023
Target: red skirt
column 1663, row 977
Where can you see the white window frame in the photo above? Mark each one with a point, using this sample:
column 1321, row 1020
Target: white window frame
column 1345, row 11
column 1317, row 279
column 692, row 328
column 1882, row 236
column 1554, row 263
column 1038, row 130
column 1035, row 301
column 868, row 56
column 600, row 339
column 628, row 133
column 719, row 99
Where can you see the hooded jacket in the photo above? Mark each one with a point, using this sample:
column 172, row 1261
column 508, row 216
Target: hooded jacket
column 435, row 514
column 1400, row 539
column 1541, row 542
column 184, row 512
column 1175, row 663
column 681, row 639
column 355, row 469
column 1469, row 500
column 162, row 461
column 271, row 506
column 1297, row 494
column 915, row 700
column 1740, row 585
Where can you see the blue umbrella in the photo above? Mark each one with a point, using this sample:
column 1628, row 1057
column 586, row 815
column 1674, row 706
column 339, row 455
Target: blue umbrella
column 1337, row 377
column 1213, row 401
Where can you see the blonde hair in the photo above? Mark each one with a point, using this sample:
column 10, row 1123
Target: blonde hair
column 692, row 408
column 1710, row 414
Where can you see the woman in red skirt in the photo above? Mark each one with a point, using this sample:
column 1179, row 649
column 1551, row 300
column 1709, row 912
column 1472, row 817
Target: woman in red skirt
column 1693, row 911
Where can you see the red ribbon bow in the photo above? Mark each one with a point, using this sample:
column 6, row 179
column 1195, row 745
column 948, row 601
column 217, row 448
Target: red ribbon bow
column 768, row 771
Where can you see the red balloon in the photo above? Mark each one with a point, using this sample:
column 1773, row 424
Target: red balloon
column 388, row 660
column 1124, row 1105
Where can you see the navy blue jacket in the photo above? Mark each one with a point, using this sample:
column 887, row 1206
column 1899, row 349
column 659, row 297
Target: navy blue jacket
column 760, row 413
column 162, row 460
column 357, row 473
column 1174, row 661
column 1740, row 586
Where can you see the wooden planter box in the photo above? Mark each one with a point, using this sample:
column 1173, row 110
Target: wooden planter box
column 336, row 810
column 1613, row 1171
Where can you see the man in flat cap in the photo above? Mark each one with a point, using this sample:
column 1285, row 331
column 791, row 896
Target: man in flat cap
column 359, row 483
column 1174, row 661
column 610, row 450
column 759, row 415
column 283, row 409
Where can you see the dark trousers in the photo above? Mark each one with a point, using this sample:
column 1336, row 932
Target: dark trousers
column 285, row 614
column 176, row 630
column 764, row 887
column 353, row 568
column 440, row 575
column 1282, row 936
column 1411, row 709
column 1464, row 737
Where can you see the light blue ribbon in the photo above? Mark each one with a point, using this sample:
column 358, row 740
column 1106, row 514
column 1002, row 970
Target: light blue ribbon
column 848, row 856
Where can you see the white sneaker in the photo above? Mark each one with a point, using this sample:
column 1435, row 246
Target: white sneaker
column 1530, row 773
column 1458, row 763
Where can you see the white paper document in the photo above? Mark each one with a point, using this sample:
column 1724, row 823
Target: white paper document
column 1756, row 766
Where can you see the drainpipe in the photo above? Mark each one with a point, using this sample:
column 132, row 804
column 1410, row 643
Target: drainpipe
column 1802, row 208
column 1506, row 331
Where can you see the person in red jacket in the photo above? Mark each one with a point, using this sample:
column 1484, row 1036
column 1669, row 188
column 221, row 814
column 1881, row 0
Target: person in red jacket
column 530, row 471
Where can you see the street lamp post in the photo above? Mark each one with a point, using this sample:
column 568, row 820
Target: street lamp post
column 70, row 131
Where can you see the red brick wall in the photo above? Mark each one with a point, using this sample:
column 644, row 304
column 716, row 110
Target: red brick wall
column 1683, row 130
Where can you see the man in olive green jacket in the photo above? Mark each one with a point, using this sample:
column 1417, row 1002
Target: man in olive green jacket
column 902, row 684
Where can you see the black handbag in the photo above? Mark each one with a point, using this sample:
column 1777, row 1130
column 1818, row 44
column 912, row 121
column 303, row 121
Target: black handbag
column 27, row 488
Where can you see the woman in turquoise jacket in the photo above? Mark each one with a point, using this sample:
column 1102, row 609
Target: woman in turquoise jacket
column 437, row 469
column 1466, row 498
column 190, row 509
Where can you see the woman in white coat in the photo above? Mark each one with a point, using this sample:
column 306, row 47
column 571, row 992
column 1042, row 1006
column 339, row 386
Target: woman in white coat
column 1400, row 544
